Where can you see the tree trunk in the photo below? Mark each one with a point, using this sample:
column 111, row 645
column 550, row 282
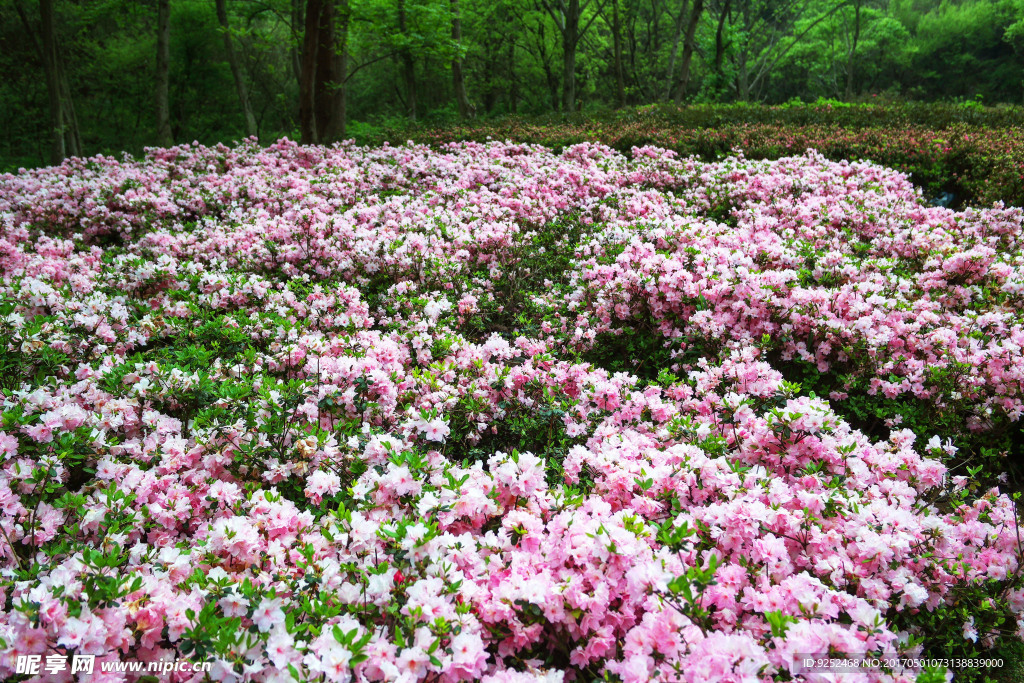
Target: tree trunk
column 549, row 74
column 58, row 150
column 720, row 37
column 232, row 61
column 408, row 67
column 633, row 46
column 323, row 81
column 688, row 47
column 743, row 80
column 833, row 61
column 654, row 31
column 409, row 72
column 29, row 31
column 163, row 73
column 298, row 19
column 852, row 62
column 72, row 135
column 620, row 80
column 513, row 91
column 670, row 77
column 743, row 75
column 72, row 140
column 337, row 126
column 552, row 79
column 307, row 73
column 570, row 38
column 236, row 70
column 458, row 79
column 490, row 92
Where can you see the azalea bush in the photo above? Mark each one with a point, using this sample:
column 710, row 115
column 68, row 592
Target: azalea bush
column 490, row 412
column 956, row 153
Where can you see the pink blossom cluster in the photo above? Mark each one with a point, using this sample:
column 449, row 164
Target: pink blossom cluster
column 839, row 264
column 263, row 408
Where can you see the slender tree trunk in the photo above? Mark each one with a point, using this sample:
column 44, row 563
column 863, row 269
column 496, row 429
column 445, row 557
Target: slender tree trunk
column 409, row 72
column 323, row 82
column 570, row 39
column 337, row 127
column 408, row 66
column 743, row 80
column 834, row 62
column 513, row 91
column 654, row 30
column 298, row 19
column 552, row 80
column 743, row 75
column 852, row 62
column 236, row 69
column 688, row 47
column 163, row 73
column 633, row 46
column 339, row 118
column 620, row 80
column 71, row 132
column 569, row 79
column 58, row 150
column 488, row 77
column 29, row 31
column 720, row 37
column 307, row 73
column 549, row 73
column 458, row 79
column 670, row 77
column 54, row 64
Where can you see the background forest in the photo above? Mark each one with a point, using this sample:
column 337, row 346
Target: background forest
column 89, row 76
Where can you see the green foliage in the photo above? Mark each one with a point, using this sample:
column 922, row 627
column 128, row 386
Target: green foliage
column 984, row 455
column 642, row 352
column 511, row 55
column 943, row 632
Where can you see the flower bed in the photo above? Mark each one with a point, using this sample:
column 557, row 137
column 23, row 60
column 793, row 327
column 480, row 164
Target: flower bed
column 975, row 154
column 494, row 413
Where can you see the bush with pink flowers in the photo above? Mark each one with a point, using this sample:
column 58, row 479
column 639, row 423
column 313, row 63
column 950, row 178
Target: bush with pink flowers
column 487, row 412
column 975, row 154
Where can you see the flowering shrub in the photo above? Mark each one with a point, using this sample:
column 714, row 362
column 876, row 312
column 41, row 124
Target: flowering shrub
column 974, row 153
column 368, row 414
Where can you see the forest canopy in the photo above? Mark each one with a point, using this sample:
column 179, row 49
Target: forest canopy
column 101, row 76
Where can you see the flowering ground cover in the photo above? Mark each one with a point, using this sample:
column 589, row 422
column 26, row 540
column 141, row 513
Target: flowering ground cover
column 488, row 412
column 974, row 153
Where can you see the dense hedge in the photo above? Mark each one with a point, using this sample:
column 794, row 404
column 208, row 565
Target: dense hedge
column 974, row 153
column 859, row 115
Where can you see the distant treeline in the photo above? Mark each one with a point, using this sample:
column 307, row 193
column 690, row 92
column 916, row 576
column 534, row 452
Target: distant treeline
column 87, row 76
